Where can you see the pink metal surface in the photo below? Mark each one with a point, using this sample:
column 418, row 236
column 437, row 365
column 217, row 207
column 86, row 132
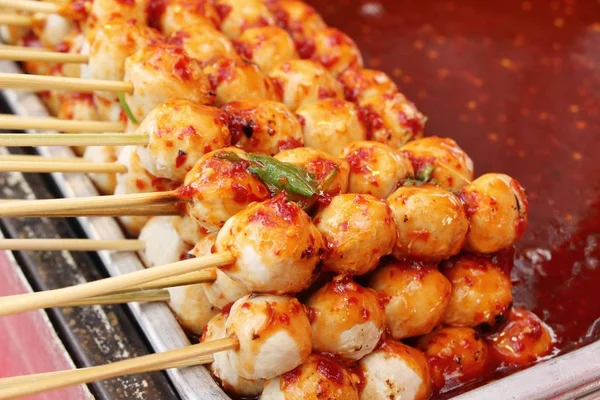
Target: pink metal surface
column 28, row 343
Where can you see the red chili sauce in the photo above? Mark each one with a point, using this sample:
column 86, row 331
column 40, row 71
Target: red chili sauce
column 515, row 83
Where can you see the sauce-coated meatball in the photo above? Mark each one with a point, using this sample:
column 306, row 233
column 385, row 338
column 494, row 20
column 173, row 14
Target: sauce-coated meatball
column 359, row 230
column 178, row 15
column 334, row 50
column 273, row 332
column 302, row 81
column 392, row 119
column 497, row 208
column 347, row 319
column 222, row 369
column 395, row 371
column 415, row 296
column 330, row 124
column 239, row 15
column 481, row 291
column 266, row 46
column 104, row 10
column 441, row 159
column 361, row 84
column 298, row 18
column 431, row 222
column 106, row 183
column 233, row 80
column 275, row 244
column 263, row 126
column 180, row 132
column 164, row 72
column 375, row 168
column 192, row 307
column 319, row 377
column 455, row 355
column 523, row 340
column 330, row 172
column 218, row 188
column 204, row 43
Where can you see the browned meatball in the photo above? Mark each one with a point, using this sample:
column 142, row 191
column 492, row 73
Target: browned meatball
column 239, row 15
column 334, row 50
column 206, row 44
column 179, row 15
column 263, row 126
column 455, row 355
column 523, row 339
column 266, row 46
column 415, row 296
column 481, row 291
column 431, row 222
column 362, row 84
column 497, row 208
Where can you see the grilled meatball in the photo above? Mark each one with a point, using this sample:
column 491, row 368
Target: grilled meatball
column 319, row 377
column 395, row 371
column 298, row 18
column 440, row 159
column 455, row 355
column 164, row 72
column 415, row 296
column 105, row 183
column 222, row 369
column 497, row 208
column 163, row 243
column 330, row 172
column 347, row 319
column 81, row 107
column 375, row 168
column 302, row 81
column 393, row 119
column 218, row 188
column 266, row 46
column 204, row 43
column 239, row 15
column 275, row 244
column 233, row 80
column 103, row 11
column 362, row 84
column 359, row 230
column 180, row 132
column 52, row 29
column 334, row 50
column 431, row 222
column 523, row 340
column 180, row 15
column 330, row 124
column 273, row 333
column 263, row 126
column 481, row 291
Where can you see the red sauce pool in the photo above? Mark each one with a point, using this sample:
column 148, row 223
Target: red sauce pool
column 515, row 83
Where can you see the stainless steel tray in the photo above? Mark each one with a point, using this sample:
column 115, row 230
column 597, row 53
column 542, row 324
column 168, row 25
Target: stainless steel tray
column 569, row 376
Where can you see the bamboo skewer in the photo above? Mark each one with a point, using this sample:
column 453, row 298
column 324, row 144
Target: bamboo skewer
column 42, row 55
column 82, row 139
column 17, row 122
column 76, row 205
column 32, row 6
column 151, row 210
column 42, row 82
column 21, row 379
column 35, row 384
column 16, row 20
column 191, row 278
column 58, row 297
column 142, row 296
column 41, row 159
column 61, row 166
column 71, row 245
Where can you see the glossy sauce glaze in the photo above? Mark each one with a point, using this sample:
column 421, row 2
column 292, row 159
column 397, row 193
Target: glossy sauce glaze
column 515, row 83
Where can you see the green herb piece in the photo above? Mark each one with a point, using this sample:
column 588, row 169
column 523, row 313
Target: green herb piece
column 126, row 108
column 424, row 174
column 328, row 180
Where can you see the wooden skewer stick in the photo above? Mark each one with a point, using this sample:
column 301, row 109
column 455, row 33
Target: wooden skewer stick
column 40, row 159
column 61, row 166
column 58, row 297
column 16, row 20
column 191, row 278
column 42, row 82
column 82, row 139
column 71, row 245
column 142, row 296
column 153, row 362
column 21, row 379
column 32, row 5
column 42, row 56
column 36, row 207
column 55, row 124
column 154, row 209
